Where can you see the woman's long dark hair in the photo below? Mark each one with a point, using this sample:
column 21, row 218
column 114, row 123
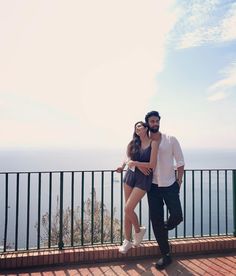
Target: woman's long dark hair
column 135, row 144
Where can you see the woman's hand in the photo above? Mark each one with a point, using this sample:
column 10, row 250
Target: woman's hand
column 131, row 163
column 119, row 169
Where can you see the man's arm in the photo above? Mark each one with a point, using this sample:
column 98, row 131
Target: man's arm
column 145, row 171
column 179, row 158
column 180, row 173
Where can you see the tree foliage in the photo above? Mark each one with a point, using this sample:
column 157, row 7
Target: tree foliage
column 80, row 228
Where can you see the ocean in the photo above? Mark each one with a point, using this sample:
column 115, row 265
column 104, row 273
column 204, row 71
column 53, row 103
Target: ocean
column 67, row 159
column 43, row 160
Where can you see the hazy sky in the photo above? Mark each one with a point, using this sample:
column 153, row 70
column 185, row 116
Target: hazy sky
column 81, row 73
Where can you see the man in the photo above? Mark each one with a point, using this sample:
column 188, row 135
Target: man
column 165, row 186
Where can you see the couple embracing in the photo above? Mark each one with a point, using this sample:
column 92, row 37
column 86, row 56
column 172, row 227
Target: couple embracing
column 151, row 170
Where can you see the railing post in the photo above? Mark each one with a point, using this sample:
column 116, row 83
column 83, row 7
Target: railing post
column 61, row 244
column 6, row 214
column 234, row 200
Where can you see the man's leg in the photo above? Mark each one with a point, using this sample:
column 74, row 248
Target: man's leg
column 156, row 210
column 171, row 197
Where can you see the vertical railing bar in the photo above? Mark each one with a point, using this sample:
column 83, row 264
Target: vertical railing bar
column 17, row 210
column 201, row 204
column 234, row 201
column 112, row 202
column 218, row 202
column 50, row 210
column 6, row 213
column 226, row 205
column 166, row 211
column 185, row 204
column 82, row 208
column 176, row 232
column 140, row 212
column 193, row 206
column 102, row 207
column 121, row 207
column 92, row 208
column 61, row 244
column 209, row 202
column 176, row 228
column 149, row 225
column 39, row 210
column 28, row 212
column 72, row 209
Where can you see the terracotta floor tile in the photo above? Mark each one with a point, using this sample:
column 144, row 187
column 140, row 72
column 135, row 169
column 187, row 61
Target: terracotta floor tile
column 224, row 265
column 195, row 265
column 192, row 267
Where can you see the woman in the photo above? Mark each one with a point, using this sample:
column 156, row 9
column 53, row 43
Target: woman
column 141, row 152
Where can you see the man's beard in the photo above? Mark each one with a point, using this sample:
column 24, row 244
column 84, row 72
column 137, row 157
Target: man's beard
column 154, row 130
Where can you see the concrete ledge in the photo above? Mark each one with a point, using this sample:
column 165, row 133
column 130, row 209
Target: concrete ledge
column 104, row 253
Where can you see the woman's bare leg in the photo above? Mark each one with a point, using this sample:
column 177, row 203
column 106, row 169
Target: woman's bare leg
column 128, row 224
column 133, row 200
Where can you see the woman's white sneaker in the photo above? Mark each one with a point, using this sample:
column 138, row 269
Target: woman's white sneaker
column 126, row 245
column 138, row 237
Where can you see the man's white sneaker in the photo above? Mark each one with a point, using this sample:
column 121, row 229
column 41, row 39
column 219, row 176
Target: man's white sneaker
column 126, row 245
column 138, row 237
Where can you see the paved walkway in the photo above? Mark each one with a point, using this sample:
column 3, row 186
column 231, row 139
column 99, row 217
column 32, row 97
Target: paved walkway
column 197, row 265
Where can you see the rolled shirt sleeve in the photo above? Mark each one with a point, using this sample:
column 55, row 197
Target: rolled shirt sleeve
column 177, row 153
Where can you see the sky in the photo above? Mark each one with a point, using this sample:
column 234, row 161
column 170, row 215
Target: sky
column 79, row 74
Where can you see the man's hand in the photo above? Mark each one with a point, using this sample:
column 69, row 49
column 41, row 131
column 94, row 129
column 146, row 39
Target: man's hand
column 145, row 171
column 179, row 181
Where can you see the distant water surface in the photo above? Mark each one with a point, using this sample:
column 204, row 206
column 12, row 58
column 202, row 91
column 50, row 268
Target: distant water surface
column 65, row 159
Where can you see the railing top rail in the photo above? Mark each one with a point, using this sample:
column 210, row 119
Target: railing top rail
column 107, row 170
column 215, row 169
column 56, row 171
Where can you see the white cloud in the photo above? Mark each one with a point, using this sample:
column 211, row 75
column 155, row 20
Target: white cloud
column 227, row 27
column 217, row 96
column 206, row 22
column 222, row 88
column 92, row 61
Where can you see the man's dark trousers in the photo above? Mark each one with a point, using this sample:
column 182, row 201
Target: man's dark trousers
column 156, row 198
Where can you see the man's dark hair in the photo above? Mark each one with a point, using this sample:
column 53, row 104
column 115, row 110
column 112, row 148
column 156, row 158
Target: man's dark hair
column 150, row 114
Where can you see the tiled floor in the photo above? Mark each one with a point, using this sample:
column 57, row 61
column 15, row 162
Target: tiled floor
column 197, row 265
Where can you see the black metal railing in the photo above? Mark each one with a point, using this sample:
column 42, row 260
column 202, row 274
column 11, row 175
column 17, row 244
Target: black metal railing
column 75, row 208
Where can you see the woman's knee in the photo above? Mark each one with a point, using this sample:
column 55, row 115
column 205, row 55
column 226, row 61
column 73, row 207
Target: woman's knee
column 128, row 210
column 127, row 218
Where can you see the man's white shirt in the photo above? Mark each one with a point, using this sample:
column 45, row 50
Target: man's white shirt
column 168, row 151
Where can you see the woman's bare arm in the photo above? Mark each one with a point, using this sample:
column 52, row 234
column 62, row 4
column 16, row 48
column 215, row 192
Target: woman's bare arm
column 125, row 162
